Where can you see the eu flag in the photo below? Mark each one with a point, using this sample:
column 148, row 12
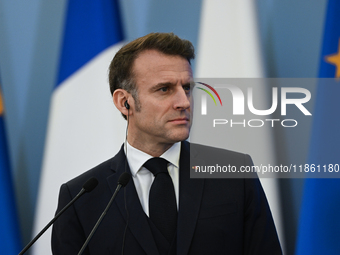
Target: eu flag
column 9, row 229
column 319, row 226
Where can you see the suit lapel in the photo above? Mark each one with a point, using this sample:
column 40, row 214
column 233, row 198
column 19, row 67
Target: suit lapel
column 190, row 196
column 138, row 223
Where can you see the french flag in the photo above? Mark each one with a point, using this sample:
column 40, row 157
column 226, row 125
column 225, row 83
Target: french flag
column 84, row 127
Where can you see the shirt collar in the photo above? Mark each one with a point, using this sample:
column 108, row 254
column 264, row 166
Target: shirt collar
column 136, row 158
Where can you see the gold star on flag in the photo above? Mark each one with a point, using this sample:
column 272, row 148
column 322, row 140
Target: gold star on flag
column 1, row 105
column 334, row 59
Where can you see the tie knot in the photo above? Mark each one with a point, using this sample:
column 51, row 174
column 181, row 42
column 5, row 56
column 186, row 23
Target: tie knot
column 157, row 165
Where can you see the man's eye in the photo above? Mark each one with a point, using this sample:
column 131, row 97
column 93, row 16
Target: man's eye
column 187, row 88
column 164, row 89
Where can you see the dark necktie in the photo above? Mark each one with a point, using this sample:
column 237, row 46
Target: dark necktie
column 162, row 198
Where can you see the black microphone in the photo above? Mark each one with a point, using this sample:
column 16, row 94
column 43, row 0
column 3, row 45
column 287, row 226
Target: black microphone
column 87, row 187
column 123, row 180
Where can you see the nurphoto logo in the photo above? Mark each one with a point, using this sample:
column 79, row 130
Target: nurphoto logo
column 243, row 102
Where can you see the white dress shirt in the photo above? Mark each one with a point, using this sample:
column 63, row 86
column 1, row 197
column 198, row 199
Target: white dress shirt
column 143, row 178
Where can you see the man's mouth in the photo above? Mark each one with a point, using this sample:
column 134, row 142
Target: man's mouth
column 180, row 121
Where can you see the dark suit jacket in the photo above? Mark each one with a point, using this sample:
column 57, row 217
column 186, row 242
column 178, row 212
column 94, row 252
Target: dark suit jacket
column 216, row 216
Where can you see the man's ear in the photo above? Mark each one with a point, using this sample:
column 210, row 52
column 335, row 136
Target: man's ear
column 120, row 97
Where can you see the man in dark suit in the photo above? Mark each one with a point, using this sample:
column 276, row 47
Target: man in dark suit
column 151, row 83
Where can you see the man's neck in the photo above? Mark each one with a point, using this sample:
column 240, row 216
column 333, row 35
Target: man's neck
column 153, row 149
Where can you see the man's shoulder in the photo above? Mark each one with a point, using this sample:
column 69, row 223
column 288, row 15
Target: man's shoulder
column 199, row 150
column 100, row 171
column 201, row 147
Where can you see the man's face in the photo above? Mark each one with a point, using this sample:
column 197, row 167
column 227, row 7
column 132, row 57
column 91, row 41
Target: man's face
column 164, row 92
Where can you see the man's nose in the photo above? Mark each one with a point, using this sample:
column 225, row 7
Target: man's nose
column 182, row 99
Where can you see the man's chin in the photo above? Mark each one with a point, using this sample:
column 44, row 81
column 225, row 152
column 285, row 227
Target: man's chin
column 181, row 137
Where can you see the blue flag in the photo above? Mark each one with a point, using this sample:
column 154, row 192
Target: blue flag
column 9, row 229
column 319, row 226
column 91, row 26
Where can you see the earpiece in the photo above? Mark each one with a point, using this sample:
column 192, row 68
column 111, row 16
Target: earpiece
column 126, row 104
